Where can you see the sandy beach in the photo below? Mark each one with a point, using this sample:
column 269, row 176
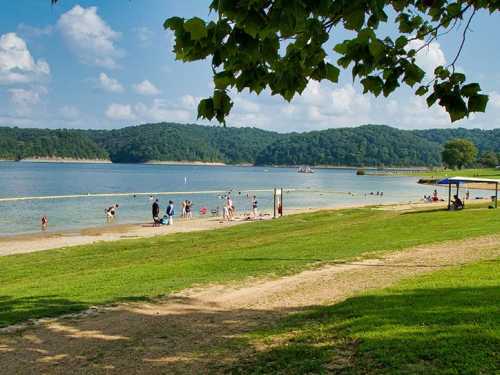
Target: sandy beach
column 28, row 243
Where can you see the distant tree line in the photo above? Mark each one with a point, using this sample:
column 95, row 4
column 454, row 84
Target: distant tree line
column 369, row 145
column 17, row 144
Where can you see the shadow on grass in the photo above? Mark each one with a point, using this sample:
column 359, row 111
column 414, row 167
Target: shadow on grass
column 22, row 309
column 451, row 330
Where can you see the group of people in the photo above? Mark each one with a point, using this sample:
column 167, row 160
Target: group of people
column 229, row 210
column 456, row 203
column 168, row 218
column 432, row 198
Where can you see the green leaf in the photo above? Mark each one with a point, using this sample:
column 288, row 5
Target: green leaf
column 413, row 74
column 431, row 99
column 377, row 48
column 332, row 73
column 354, row 20
column 454, row 9
column 422, row 90
column 372, row 84
column 455, row 106
column 206, row 109
column 470, row 89
column 173, row 23
column 341, row 48
column 196, row 27
column 401, row 42
column 477, row 103
column 223, row 80
column 457, row 77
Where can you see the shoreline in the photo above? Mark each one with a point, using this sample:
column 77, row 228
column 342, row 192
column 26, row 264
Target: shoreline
column 41, row 241
column 183, row 162
column 62, row 160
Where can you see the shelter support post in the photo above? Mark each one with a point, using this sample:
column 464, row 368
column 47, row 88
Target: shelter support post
column 496, row 195
column 274, row 205
column 449, row 196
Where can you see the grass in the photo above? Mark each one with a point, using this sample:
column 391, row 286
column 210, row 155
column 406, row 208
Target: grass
column 54, row 282
column 447, row 322
column 472, row 172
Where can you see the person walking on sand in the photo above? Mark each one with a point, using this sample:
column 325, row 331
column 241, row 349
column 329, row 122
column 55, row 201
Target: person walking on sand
column 170, row 213
column 156, row 212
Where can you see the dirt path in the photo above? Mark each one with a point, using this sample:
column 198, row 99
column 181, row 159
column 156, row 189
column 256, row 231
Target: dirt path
column 198, row 330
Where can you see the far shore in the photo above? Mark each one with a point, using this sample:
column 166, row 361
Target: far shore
column 64, row 160
column 381, row 171
column 184, row 162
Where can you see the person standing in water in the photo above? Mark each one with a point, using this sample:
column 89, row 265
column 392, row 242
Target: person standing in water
column 45, row 222
column 170, row 213
column 111, row 212
column 189, row 210
column 183, row 207
column 254, row 207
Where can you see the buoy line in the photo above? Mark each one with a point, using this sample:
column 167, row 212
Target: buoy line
column 98, row 195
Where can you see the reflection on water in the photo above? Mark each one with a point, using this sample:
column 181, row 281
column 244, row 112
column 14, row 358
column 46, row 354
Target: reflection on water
column 324, row 188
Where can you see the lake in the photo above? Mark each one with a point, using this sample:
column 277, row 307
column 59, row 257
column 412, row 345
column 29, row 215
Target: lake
column 324, row 188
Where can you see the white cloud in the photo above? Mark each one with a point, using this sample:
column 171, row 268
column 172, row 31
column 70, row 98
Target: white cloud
column 323, row 106
column 429, row 57
column 146, row 88
column 16, row 63
column 144, row 35
column 161, row 110
column 24, row 100
column 90, row 37
column 109, row 84
column 69, row 112
column 120, row 112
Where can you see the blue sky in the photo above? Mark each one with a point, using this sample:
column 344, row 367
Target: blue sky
column 108, row 64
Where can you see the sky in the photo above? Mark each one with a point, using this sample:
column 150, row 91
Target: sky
column 109, row 64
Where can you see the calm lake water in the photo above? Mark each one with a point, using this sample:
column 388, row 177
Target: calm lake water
column 324, row 188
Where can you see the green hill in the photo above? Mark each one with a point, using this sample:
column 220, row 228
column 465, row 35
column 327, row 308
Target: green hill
column 368, row 145
column 17, row 143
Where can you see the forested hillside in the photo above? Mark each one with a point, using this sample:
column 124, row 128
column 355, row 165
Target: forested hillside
column 17, row 143
column 369, row 145
column 178, row 142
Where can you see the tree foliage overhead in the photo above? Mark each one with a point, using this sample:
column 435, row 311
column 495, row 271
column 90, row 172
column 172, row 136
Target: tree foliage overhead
column 459, row 153
column 280, row 45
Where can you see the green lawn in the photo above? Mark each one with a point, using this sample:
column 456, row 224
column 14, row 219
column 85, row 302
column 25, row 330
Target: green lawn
column 447, row 322
column 53, row 282
column 480, row 172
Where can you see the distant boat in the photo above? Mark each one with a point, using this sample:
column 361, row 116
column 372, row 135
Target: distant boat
column 305, row 169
